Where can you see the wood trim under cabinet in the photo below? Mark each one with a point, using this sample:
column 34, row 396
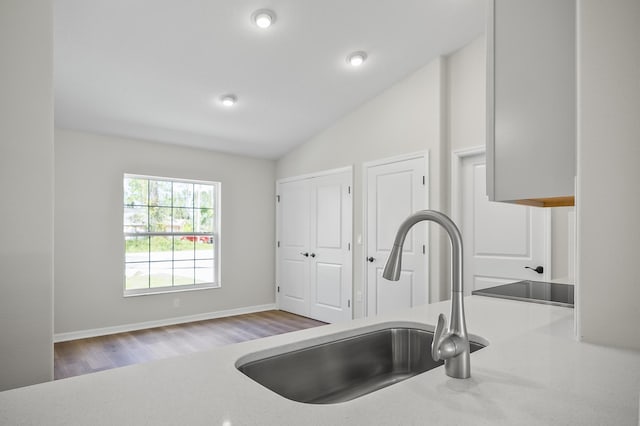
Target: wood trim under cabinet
column 548, row 202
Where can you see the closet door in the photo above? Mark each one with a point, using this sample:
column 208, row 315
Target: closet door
column 330, row 241
column 293, row 251
column 314, row 257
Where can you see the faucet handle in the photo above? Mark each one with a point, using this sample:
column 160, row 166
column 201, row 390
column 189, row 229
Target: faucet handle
column 437, row 337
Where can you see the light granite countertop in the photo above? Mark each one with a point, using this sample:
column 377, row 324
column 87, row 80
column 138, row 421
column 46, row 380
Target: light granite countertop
column 532, row 373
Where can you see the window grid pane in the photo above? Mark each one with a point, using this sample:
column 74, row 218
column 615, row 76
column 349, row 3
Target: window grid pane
column 185, row 212
column 137, row 275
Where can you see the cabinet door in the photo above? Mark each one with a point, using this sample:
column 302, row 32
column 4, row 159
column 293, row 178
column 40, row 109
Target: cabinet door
column 330, row 261
column 531, row 95
column 293, row 264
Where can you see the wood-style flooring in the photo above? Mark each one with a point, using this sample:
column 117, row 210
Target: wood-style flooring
column 84, row 356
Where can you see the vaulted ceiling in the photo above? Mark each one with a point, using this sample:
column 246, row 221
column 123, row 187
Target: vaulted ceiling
column 156, row 69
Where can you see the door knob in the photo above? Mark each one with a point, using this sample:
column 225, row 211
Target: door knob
column 304, row 253
column 371, row 259
column 312, row 255
column 538, row 269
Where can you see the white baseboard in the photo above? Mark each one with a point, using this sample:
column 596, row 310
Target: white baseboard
column 83, row 334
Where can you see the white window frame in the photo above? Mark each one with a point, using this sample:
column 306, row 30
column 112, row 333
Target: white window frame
column 216, row 239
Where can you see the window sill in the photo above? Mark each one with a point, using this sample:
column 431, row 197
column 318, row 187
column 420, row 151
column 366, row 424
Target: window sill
column 165, row 290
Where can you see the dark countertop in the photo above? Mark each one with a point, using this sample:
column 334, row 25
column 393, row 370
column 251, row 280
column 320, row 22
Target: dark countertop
column 532, row 291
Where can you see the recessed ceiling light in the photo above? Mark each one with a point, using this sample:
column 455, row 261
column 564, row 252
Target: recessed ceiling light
column 356, row 59
column 263, row 18
column 229, row 100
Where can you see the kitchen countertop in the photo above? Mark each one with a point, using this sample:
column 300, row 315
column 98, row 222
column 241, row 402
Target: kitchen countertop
column 532, row 373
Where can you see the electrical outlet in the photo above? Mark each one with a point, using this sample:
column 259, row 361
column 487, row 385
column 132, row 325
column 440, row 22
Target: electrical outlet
column 359, row 296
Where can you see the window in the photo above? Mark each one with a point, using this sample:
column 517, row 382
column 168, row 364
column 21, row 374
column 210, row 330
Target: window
column 171, row 234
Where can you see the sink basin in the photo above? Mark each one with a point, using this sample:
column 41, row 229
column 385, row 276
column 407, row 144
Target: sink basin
column 346, row 368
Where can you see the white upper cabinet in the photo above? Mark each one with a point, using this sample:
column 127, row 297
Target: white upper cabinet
column 531, row 96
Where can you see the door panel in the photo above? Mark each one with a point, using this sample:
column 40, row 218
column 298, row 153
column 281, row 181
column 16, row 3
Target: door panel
column 394, row 295
column 394, row 203
column 500, row 229
column 395, row 190
column 293, row 271
column 329, row 215
column 330, row 280
column 293, row 213
column 500, row 239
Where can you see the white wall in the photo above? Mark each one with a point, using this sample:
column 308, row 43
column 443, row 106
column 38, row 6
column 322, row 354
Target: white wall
column 89, row 248
column 403, row 119
column 609, row 171
column 466, row 128
column 560, row 241
column 26, row 188
column 467, row 95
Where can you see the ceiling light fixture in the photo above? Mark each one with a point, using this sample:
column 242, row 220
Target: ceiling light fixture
column 356, row 59
column 263, row 18
column 229, row 100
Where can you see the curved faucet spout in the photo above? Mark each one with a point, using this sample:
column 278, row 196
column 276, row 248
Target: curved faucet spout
column 457, row 360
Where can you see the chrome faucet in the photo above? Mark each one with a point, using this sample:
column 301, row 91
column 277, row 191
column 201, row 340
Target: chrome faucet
column 451, row 345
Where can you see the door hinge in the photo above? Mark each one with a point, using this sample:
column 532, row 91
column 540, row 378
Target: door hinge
column 278, row 289
column 424, row 249
column 278, row 244
column 348, row 189
column 348, row 303
column 348, row 246
column 423, row 180
column 278, row 198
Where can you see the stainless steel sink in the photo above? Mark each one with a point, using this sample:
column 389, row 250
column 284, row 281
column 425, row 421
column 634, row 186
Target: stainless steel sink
column 346, row 368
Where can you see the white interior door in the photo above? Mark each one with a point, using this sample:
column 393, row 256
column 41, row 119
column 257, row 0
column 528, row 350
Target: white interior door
column 395, row 190
column 500, row 239
column 293, row 241
column 314, row 260
column 330, row 257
